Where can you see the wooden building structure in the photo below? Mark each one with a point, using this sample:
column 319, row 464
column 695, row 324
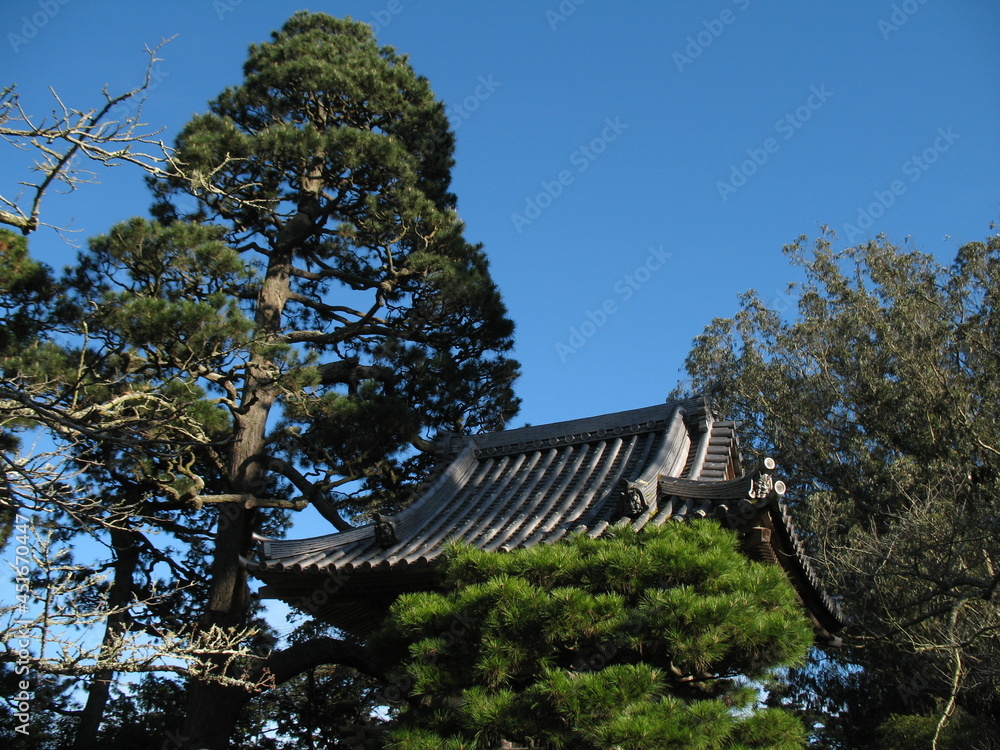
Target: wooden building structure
column 536, row 485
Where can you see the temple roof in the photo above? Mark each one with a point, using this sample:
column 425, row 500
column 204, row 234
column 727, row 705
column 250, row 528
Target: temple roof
column 536, row 485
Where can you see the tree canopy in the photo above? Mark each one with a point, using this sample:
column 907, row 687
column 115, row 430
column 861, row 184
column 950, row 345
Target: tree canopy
column 878, row 396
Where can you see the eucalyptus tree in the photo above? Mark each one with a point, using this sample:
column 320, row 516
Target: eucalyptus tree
column 878, row 394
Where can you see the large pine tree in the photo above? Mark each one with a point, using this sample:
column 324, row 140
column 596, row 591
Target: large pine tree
column 375, row 322
column 299, row 321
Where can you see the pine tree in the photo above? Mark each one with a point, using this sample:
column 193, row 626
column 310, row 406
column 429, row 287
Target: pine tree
column 297, row 339
column 314, row 164
column 634, row 640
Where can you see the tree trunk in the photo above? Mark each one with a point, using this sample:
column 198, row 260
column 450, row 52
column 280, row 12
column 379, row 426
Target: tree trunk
column 127, row 552
column 214, row 709
column 212, row 714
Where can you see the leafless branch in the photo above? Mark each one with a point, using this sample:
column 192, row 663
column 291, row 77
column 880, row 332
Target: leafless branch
column 68, row 132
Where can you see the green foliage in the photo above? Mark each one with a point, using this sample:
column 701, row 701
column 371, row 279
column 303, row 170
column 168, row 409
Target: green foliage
column 634, row 640
column 26, row 286
column 877, row 397
column 139, row 715
column 961, row 732
column 27, row 314
column 15, row 732
column 319, row 158
column 168, row 293
column 327, row 706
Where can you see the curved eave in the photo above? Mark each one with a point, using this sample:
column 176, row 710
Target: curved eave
column 792, row 556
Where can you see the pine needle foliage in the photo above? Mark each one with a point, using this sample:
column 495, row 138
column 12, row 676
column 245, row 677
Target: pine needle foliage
column 633, row 640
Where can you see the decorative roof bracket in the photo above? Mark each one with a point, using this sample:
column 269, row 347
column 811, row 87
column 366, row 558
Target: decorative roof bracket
column 738, row 501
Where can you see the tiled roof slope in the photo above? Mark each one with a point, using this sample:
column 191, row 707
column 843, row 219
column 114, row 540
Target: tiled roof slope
column 518, row 488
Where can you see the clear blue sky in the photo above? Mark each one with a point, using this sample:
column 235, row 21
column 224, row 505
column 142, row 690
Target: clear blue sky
column 630, row 167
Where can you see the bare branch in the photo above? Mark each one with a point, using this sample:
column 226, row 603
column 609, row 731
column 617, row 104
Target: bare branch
column 70, row 132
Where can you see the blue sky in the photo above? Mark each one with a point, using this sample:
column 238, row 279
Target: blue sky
column 630, row 167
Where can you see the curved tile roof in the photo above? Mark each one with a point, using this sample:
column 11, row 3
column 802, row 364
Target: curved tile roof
column 533, row 485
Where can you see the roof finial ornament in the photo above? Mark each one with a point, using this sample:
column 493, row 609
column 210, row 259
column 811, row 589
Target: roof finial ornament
column 385, row 531
column 631, row 500
column 762, row 485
